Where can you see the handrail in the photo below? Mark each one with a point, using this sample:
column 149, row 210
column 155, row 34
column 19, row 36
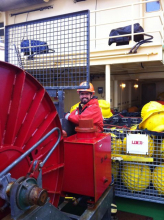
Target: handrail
column 93, row 25
column 131, row 21
column 122, row 6
column 125, row 35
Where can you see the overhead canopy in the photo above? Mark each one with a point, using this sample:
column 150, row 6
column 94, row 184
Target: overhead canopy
column 17, row 4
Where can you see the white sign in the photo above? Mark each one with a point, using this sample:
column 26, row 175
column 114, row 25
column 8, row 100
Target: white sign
column 137, row 144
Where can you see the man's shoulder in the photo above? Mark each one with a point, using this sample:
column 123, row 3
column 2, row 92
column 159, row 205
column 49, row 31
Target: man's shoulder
column 93, row 102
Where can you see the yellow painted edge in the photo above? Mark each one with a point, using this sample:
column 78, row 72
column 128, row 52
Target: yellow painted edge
column 133, row 158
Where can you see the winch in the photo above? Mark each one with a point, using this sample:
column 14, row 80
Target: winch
column 33, row 154
column 31, row 145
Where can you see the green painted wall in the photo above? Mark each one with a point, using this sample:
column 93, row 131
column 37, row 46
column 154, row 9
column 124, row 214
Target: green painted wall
column 149, row 209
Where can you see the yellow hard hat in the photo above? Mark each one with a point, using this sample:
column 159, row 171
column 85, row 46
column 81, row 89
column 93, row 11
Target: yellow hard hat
column 116, row 146
column 160, row 148
column 105, row 108
column 134, row 127
column 136, row 177
column 158, row 178
column 153, row 121
column 115, row 169
column 74, row 107
column 150, row 106
column 112, row 135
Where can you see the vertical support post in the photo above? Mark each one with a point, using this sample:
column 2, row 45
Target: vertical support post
column 162, row 24
column 140, row 93
column 88, row 49
column 115, row 101
column 121, row 89
column 107, row 83
column 142, row 7
column 6, row 45
column 61, row 103
column 5, row 40
column 95, row 28
column 130, row 94
column 132, row 30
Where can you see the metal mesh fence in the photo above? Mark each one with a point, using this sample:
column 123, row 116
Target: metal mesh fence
column 54, row 50
column 120, row 121
column 138, row 175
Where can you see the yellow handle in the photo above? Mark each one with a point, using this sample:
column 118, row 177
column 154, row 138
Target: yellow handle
column 72, row 198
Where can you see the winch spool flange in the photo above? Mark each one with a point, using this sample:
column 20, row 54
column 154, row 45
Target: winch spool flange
column 27, row 114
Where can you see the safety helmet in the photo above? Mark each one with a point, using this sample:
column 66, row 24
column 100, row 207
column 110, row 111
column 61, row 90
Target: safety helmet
column 158, row 178
column 150, row 106
column 90, row 89
column 105, row 108
column 134, row 127
column 153, row 121
column 133, row 109
column 136, row 177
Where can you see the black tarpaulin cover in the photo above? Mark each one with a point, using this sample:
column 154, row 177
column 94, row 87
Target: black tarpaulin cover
column 125, row 40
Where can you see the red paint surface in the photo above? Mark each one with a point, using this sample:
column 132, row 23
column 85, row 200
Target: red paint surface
column 26, row 115
column 161, row 102
column 87, row 164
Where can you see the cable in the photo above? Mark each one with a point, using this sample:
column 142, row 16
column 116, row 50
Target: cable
column 142, row 65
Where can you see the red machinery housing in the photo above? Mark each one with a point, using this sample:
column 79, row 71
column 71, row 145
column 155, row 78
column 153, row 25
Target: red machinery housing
column 87, row 161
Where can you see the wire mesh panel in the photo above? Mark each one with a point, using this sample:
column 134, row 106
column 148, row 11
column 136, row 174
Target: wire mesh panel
column 138, row 174
column 54, row 50
column 118, row 121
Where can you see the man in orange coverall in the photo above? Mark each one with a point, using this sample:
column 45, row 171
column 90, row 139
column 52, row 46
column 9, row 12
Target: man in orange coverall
column 88, row 108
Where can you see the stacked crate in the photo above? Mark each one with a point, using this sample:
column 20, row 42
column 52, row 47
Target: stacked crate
column 138, row 175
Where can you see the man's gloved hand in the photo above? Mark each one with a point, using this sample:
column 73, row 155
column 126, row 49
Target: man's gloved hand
column 67, row 115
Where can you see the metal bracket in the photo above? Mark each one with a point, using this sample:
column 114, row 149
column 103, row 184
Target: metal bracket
column 117, row 158
column 4, row 182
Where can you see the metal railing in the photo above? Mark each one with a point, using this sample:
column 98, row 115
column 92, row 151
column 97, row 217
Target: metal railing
column 97, row 15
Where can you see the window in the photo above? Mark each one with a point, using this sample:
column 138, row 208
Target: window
column 152, row 6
